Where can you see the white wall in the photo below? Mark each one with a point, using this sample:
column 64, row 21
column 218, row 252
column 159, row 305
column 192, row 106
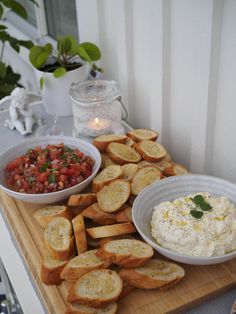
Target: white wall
column 175, row 62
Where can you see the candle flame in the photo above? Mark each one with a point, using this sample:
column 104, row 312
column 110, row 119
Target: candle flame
column 96, row 120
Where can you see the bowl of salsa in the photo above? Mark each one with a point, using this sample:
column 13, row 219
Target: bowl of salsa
column 48, row 169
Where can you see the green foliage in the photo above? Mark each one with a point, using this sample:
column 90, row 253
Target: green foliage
column 9, row 79
column 68, row 54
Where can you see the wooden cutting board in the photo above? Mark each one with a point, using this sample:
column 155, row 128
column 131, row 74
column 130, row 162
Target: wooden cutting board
column 199, row 284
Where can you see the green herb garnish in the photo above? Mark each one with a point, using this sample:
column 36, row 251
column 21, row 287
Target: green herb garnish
column 44, row 167
column 76, row 157
column 31, row 179
column 196, row 213
column 63, row 156
column 52, row 178
column 68, row 149
column 29, row 151
column 54, row 170
column 200, row 202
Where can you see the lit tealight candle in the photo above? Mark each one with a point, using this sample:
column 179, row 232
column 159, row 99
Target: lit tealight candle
column 98, row 126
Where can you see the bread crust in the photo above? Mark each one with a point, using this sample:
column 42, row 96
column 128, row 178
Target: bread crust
column 110, row 309
column 111, row 230
column 43, row 220
column 122, row 154
column 109, row 174
column 51, row 275
column 137, row 135
column 80, row 233
column 149, row 280
column 147, row 155
column 124, row 215
column 82, row 200
column 103, row 141
column 175, row 169
column 71, row 272
column 61, row 254
column 96, row 301
column 126, row 259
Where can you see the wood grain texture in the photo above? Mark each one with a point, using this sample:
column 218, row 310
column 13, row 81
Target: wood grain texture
column 199, row 284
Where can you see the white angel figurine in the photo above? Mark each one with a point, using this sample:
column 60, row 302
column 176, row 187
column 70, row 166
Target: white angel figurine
column 21, row 116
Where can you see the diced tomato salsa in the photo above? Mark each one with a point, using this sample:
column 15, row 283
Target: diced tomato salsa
column 53, row 168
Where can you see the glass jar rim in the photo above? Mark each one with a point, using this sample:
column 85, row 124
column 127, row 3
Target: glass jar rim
column 91, row 92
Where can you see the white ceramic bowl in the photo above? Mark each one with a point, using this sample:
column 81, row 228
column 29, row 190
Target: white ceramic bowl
column 170, row 189
column 44, row 198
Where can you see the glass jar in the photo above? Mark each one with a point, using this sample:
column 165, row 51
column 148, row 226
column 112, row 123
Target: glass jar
column 96, row 108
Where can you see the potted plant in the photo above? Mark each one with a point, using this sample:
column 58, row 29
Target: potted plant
column 57, row 69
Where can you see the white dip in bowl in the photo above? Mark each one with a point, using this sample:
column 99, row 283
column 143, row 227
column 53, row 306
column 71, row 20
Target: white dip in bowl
column 174, row 226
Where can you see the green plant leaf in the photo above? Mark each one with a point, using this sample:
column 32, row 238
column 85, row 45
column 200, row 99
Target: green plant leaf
column 41, row 82
column 48, row 48
column 92, row 50
column 14, row 44
column 198, row 199
column 74, row 45
column 3, row 70
column 59, row 72
column 1, row 11
column 2, row 27
column 16, row 7
column 42, row 58
column 60, row 44
column 26, row 43
column 11, row 77
column 4, row 36
column 66, row 44
column 35, row 51
column 83, row 54
column 205, row 206
column 196, row 214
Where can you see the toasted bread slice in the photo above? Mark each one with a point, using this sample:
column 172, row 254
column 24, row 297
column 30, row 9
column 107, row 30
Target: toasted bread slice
column 59, row 239
column 106, row 176
column 126, row 290
column 82, row 200
column 80, row 233
column 122, row 154
column 126, row 252
column 175, row 170
column 150, row 151
column 129, row 142
column 139, row 135
column 161, row 164
column 97, row 288
column 167, row 157
column 77, row 308
column 95, row 213
column 51, row 269
column 124, row 215
column 128, row 171
column 82, row 264
column 46, row 214
column 121, row 236
column 111, row 197
column 144, row 177
column 102, row 141
column 111, row 230
column 106, row 161
column 154, row 274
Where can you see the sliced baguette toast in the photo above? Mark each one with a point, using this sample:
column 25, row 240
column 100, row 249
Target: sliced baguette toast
column 82, row 264
column 106, row 161
column 122, row 154
column 82, row 200
column 150, row 151
column 79, row 233
column 97, row 288
column 144, row 177
column 111, row 197
column 106, row 176
column 102, row 141
column 59, row 239
column 126, row 290
column 122, row 236
column 51, row 269
column 129, row 142
column 161, row 164
column 128, row 171
column 111, row 230
column 154, row 274
column 175, row 170
column 126, row 252
column 124, row 215
column 139, row 135
column 76, row 308
column 95, row 213
column 46, row 214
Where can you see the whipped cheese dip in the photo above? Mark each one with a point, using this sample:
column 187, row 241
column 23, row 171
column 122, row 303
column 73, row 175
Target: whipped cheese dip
column 176, row 229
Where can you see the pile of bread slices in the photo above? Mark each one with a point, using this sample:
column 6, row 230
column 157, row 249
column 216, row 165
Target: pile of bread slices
column 92, row 242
